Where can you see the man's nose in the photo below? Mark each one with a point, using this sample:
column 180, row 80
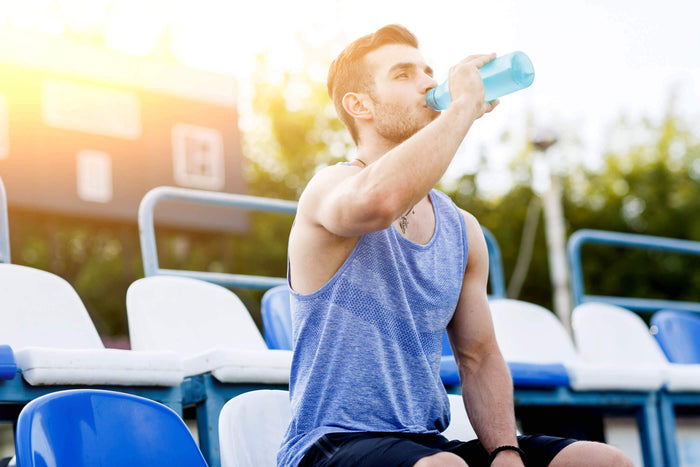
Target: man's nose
column 428, row 83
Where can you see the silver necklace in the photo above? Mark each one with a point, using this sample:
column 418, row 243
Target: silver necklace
column 404, row 220
column 403, row 223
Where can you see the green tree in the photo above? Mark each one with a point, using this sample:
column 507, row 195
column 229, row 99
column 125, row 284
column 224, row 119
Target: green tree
column 651, row 186
column 295, row 131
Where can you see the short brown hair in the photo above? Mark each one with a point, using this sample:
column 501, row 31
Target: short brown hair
column 347, row 73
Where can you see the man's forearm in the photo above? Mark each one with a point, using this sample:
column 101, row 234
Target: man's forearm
column 487, row 390
column 407, row 172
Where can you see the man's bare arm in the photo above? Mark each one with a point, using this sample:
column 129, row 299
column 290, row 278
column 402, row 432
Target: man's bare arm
column 373, row 198
column 487, row 387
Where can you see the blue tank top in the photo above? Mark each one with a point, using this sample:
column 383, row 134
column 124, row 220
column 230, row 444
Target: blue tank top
column 367, row 345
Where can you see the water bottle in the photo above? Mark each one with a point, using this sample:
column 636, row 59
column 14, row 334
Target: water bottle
column 501, row 76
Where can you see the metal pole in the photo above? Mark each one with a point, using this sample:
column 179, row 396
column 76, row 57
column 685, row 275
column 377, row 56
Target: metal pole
column 556, row 233
column 4, row 227
column 556, row 247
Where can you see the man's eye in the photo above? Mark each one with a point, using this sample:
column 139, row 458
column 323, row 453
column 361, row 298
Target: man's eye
column 402, row 75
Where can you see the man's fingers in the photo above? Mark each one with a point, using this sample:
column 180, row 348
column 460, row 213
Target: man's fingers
column 481, row 60
column 492, row 105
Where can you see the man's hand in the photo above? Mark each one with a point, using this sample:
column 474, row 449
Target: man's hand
column 507, row 459
column 467, row 87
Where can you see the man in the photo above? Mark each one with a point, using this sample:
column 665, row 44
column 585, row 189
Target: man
column 379, row 265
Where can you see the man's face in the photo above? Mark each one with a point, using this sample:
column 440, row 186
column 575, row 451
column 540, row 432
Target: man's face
column 401, row 79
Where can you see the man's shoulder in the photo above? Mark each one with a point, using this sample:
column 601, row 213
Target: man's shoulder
column 330, row 176
column 322, row 184
column 468, row 217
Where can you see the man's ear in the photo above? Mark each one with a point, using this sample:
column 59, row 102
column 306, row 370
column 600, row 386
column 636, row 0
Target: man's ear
column 357, row 105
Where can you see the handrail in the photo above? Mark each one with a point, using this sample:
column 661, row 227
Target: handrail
column 496, row 279
column 149, row 252
column 581, row 237
column 4, row 227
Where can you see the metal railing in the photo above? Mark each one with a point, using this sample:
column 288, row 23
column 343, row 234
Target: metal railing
column 4, row 227
column 496, row 280
column 149, row 251
column 587, row 236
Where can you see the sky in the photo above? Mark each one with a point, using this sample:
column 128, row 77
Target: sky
column 594, row 60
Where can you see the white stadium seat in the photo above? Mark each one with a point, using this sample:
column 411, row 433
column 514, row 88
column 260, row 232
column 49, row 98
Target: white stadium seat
column 252, row 425
column 55, row 341
column 207, row 325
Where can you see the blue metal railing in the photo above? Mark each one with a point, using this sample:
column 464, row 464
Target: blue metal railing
column 581, row 237
column 496, row 279
column 149, row 251
column 4, row 227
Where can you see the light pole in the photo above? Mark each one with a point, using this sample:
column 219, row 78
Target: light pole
column 556, row 231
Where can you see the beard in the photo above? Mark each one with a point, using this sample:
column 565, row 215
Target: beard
column 397, row 123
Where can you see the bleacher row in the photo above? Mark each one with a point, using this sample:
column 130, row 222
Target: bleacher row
column 194, row 344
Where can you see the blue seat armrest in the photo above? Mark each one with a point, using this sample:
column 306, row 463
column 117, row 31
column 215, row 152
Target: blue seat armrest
column 545, row 375
column 8, row 366
column 524, row 374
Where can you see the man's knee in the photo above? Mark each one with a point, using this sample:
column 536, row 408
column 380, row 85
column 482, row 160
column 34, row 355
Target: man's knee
column 590, row 453
column 441, row 459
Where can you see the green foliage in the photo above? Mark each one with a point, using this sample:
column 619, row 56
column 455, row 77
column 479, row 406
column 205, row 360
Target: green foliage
column 99, row 259
column 295, row 131
column 650, row 187
column 505, row 217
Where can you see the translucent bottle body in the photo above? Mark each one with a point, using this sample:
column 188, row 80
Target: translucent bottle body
column 503, row 75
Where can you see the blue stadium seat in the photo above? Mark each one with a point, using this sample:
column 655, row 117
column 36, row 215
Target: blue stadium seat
column 88, row 427
column 277, row 318
column 524, row 374
column 678, row 334
column 8, row 366
column 538, row 375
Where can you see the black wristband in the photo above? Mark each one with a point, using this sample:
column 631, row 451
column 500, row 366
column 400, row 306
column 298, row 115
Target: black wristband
column 495, row 452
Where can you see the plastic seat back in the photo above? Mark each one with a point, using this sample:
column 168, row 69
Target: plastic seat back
column 460, row 427
column 86, row 428
column 610, row 334
column 251, row 428
column 277, row 318
column 188, row 316
column 678, row 334
column 40, row 309
column 530, row 333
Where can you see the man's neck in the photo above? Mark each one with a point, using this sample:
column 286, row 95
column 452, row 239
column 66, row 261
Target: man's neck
column 372, row 151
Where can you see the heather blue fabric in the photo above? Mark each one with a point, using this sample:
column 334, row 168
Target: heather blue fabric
column 367, row 345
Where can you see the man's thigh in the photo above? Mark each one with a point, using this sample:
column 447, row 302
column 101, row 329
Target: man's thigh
column 405, row 449
column 371, row 449
column 539, row 450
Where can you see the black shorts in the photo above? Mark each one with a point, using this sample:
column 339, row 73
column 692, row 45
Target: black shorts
column 381, row 449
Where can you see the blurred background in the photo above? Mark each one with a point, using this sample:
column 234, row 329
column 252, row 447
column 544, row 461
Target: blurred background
column 102, row 100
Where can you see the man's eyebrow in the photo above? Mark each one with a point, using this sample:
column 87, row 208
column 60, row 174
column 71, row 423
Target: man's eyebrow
column 409, row 66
